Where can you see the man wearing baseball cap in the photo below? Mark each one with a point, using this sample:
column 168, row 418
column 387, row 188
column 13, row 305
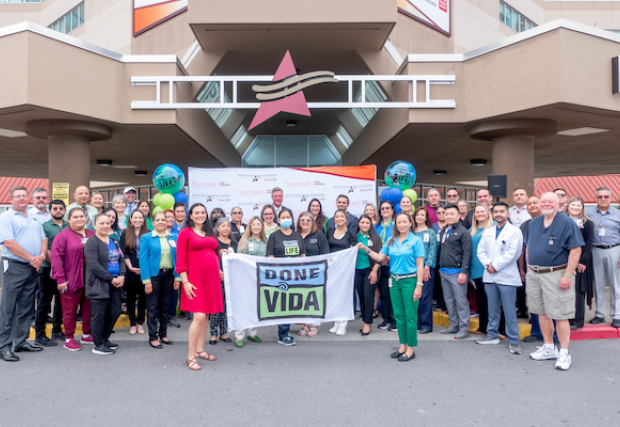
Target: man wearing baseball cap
column 130, row 195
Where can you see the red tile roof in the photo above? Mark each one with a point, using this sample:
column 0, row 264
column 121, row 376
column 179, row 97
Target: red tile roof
column 7, row 182
column 581, row 186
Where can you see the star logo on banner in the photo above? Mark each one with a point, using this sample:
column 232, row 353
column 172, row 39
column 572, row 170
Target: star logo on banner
column 287, row 95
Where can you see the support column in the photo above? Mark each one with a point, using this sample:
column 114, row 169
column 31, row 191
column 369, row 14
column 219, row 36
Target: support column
column 513, row 148
column 68, row 149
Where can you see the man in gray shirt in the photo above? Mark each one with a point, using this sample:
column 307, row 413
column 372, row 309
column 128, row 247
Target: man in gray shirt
column 606, row 256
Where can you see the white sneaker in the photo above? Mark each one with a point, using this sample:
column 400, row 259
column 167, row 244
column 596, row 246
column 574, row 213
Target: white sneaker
column 334, row 328
column 543, row 353
column 563, row 362
column 342, row 329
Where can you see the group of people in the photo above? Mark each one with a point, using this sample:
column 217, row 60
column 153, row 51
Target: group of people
column 89, row 259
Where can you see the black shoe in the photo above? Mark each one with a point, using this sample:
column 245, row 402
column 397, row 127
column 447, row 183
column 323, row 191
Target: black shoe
column 225, row 339
column 424, row 331
column 404, row 358
column 59, row 336
column 111, row 345
column 364, row 333
column 577, row 327
column 169, row 342
column 212, row 342
column 384, row 325
column 49, row 320
column 396, row 355
column 159, row 346
column 531, row 339
column 187, row 315
column 27, row 348
column 597, row 321
column 8, row 356
column 103, row 350
column 615, row 323
column 45, row 342
column 173, row 323
column 393, row 328
column 522, row 315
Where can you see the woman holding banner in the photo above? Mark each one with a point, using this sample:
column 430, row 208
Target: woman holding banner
column 366, row 270
column 339, row 239
column 253, row 242
column 285, row 243
column 197, row 264
column 316, row 244
column 406, row 254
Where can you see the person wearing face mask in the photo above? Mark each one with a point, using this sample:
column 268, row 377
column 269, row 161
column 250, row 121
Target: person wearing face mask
column 105, row 275
column 68, row 265
column 366, row 271
column 384, row 229
column 584, row 276
column 285, row 243
column 406, row 254
column 454, row 261
column 316, row 244
column 253, row 242
column 219, row 321
column 268, row 214
column 340, row 238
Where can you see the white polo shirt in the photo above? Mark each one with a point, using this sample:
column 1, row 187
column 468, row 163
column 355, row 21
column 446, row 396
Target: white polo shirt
column 519, row 216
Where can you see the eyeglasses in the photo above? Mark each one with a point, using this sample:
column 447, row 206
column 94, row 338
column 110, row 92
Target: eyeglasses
column 561, row 194
column 40, row 197
column 603, row 197
column 386, row 208
column 305, row 220
column 236, row 213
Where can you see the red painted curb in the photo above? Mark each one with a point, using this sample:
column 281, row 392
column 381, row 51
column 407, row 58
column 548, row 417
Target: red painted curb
column 595, row 332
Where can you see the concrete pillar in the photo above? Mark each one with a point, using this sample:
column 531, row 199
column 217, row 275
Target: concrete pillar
column 513, row 152
column 69, row 149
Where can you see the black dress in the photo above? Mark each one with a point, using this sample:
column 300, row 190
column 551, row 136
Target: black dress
column 345, row 242
column 584, row 282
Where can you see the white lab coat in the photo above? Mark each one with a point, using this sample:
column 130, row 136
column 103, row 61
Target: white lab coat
column 502, row 253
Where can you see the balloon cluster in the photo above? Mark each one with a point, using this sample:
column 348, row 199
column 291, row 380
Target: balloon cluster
column 399, row 176
column 169, row 180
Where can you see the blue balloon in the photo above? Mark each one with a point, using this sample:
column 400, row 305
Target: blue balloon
column 397, row 209
column 394, row 195
column 180, row 197
column 384, row 195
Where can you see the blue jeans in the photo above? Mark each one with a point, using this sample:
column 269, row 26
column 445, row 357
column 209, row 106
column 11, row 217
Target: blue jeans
column 283, row 331
column 536, row 329
column 504, row 296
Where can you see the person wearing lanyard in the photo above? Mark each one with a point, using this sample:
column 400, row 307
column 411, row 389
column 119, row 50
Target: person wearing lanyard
column 237, row 227
column 366, row 270
column 454, row 260
column 553, row 250
column 253, row 242
column 423, row 230
column 316, row 244
column 285, row 243
column 406, row 254
column 606, row 256
column 105, row 275
column 481, row 222
column 384, row 229
column 157, row 263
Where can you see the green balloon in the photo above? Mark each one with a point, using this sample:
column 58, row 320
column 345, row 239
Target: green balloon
column 411, row 194
column 166, row 201
column 156, row 209
column 156, row 198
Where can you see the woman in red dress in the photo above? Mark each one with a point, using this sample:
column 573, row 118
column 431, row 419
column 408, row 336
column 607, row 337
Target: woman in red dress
column 198, row 266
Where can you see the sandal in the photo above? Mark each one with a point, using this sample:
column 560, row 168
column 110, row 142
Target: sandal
column 206, row 356
column 313, row 331
column 193, row 365
column 375, row 313
column 304, row 331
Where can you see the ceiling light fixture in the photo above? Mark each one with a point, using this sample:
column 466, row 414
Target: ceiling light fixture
column 8, row 133
column 104, row 163
column 478, row 162
column 582, row 131
column 440, row 172
column 291, row 123
column 141, row 173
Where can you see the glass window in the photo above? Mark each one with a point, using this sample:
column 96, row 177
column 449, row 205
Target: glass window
column 69, row 21
column 81, row 9
column 75, row 19
column 261, row 154
column 502, row 13
column 508, row 16
column 321, row 151
column 291, row 151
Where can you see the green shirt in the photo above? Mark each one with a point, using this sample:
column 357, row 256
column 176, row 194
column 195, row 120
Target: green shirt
column 92, row 212
column 166, row 254
column 273, row 230
column 255, row 247
column 51, row 230
column 362, row 261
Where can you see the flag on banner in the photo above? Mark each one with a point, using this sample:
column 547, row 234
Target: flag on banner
column 264, row 291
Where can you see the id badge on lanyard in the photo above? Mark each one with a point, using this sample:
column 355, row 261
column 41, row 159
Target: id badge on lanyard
column 601, row 230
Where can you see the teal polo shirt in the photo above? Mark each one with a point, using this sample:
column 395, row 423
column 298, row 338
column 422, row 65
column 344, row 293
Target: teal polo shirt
column 403, row 256
column 362, row 261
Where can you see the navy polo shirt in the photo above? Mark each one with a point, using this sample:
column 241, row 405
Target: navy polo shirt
column 549, row 247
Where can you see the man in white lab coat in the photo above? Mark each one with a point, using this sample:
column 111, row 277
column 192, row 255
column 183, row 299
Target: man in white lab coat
column 499, row 249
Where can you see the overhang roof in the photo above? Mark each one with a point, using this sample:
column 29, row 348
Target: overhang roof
column 6, row 183
column 580, row 186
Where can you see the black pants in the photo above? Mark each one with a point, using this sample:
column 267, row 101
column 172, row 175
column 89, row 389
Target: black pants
column 483, row 305
column 366, row 292
column 521, row 304
column 438, row 290
column 157, row 304
column 174, row 299
column 135, row 292
column 384, row 295
column 48, row 290
column 104, row 314
column 580, row 309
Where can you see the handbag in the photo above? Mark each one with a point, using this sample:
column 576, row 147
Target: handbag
column 97, row 289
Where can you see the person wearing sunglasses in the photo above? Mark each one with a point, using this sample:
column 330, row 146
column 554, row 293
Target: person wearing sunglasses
column 39, row 210
column 237, row 227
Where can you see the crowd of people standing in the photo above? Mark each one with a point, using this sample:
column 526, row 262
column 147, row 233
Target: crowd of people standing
column 543, row 256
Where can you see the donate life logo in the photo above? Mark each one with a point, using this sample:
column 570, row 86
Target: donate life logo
column 292, row 290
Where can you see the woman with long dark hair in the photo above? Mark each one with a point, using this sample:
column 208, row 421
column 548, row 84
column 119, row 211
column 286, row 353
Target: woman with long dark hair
column 198, row 266
column 145, row 207
column 316, row 210
column 423, row 230
column 114, row 232
column 384, row 229
column 134, row 288
column 366, row 270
